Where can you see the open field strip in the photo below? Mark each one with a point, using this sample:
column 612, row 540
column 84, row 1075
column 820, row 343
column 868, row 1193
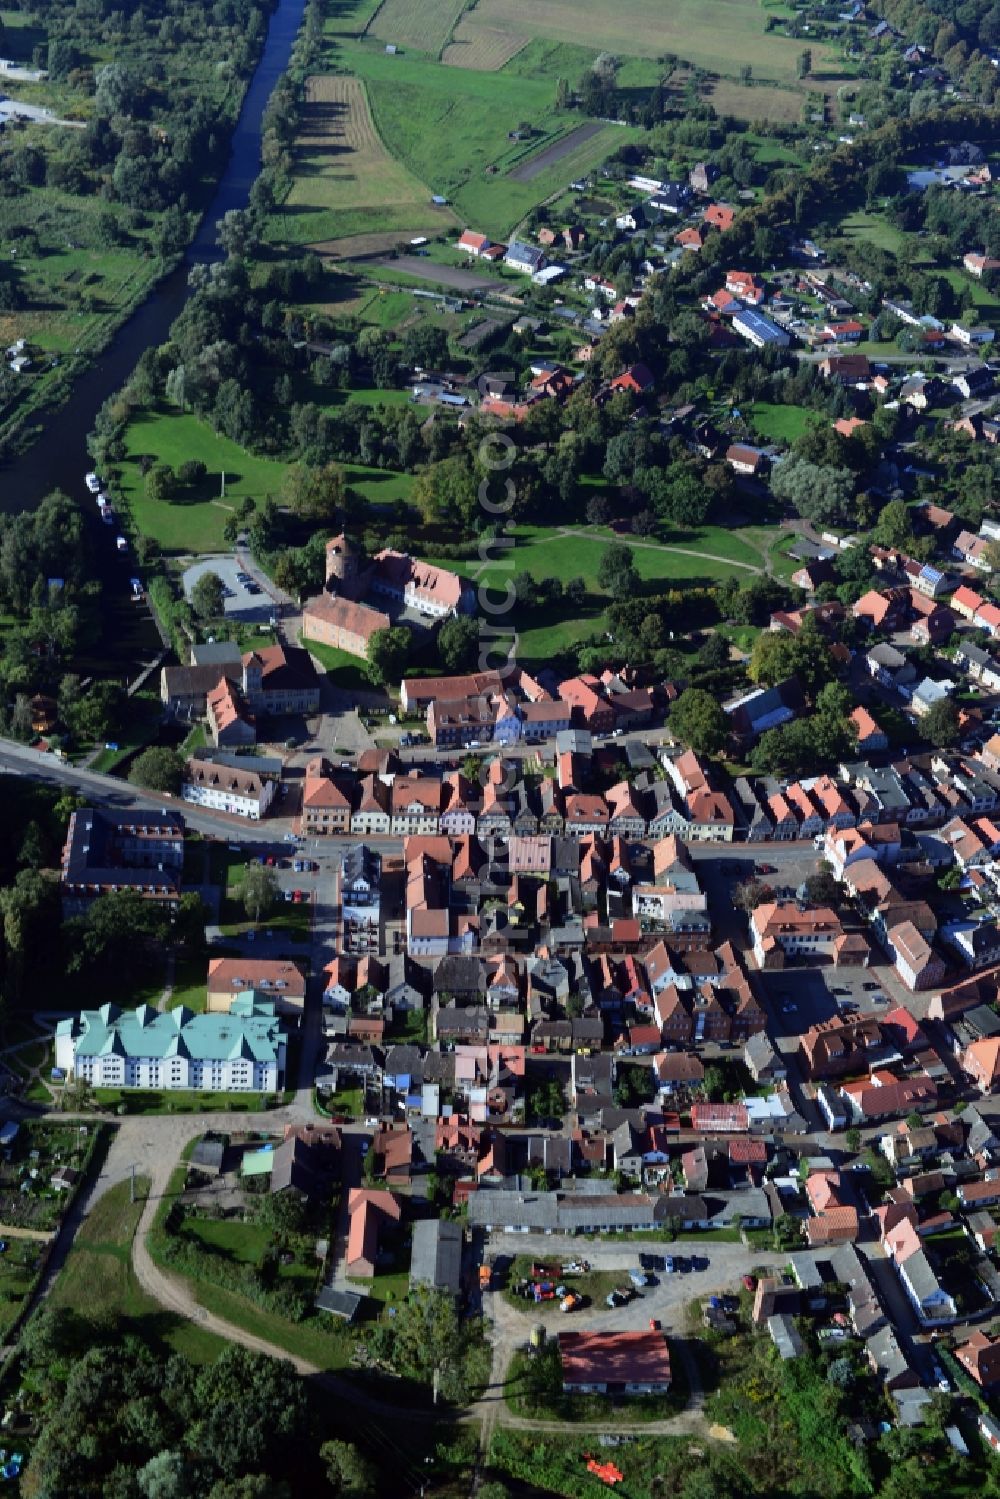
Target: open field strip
column 451, row 128
column 719, row 35
column 747, row 103
column 420, row 25
column 344, row 180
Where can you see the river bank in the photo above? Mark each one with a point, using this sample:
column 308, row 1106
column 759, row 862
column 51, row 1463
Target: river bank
column 57, row 457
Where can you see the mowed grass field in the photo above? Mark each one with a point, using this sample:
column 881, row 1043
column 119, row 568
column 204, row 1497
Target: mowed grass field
column 417, row 25
column 344, row 180
column 719, row 35
column 451, row 126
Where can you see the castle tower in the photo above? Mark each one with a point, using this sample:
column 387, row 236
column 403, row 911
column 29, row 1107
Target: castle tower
column 342, row 566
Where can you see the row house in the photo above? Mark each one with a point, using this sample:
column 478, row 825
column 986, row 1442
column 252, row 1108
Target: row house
column 709, row 813
column 416, row 802
column 979, row 665
column 974, row 841
column 688, row 1013
column 880, row 842
column 915, row 959
column 589, row 707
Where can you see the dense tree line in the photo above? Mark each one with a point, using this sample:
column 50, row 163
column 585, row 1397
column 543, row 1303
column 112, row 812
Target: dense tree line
column 122, row 1421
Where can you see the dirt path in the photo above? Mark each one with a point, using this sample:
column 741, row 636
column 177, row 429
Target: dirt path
column 659, row 546
column 176, row 1294
column 441, row 275
column 554, row 154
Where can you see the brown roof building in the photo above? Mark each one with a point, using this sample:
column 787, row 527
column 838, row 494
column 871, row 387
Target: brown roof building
column 980, row 1357
column 627, row 1363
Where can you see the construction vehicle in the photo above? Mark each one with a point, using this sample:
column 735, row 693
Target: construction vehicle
column 485, row 1277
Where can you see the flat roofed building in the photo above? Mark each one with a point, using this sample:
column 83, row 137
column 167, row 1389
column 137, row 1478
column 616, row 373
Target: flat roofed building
column 436, row 1256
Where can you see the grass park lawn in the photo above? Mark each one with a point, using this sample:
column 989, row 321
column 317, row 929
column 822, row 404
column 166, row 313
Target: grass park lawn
column 867, row 227
column 288, row 919
column 742, row 636
column 143, row 714
column 546, row 552
column 98, row 1281
column 776, row 423
column 985, row 301
column 325, row 1343
column 322, row 1344
column 196, row 524
column 385, row 1287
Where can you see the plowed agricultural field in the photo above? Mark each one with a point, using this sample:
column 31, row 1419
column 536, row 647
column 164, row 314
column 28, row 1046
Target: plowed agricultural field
column 417, row 25
column 344, row 181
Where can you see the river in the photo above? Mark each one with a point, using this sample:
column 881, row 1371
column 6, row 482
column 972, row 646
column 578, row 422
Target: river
column 58, row 458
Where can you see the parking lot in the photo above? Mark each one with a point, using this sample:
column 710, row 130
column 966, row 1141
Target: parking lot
column 721, row 867
column 244, row 600
column 667, row 1300
column 802, row 997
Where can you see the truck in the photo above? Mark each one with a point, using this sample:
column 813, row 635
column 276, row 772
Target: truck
column 485, row 1277
column 570, row 1302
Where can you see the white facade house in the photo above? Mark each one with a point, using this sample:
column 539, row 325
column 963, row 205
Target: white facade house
column 226, row 788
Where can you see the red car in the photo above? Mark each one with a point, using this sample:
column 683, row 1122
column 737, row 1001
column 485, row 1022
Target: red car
column 749, row 1282
column 270, row 860
column 297, row 897
column 766, row 868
